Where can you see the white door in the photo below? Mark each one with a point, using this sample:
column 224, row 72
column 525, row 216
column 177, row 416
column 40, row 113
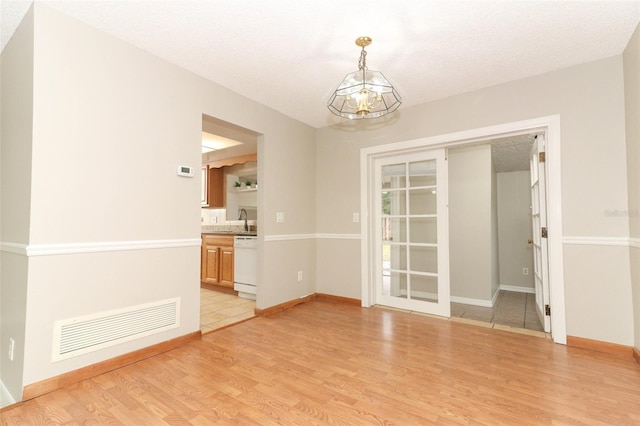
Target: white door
column 539, row 223
column 411, row 232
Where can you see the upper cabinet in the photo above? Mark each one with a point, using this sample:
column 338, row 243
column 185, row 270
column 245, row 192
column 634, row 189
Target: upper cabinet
column 213, row 187
column 219, row 178
column 216, row 188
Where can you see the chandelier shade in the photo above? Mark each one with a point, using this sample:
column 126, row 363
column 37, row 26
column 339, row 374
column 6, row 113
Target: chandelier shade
column 364, row 93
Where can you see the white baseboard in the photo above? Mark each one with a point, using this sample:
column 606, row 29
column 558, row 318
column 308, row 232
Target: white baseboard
column 475, row 302
column 518, row 289
column 5, row 397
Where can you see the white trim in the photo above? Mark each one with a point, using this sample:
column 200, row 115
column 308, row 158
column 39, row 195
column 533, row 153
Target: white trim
column 494, row 298
column 518, row 289
column 634, row 242
column 491, row 303
column 550, row 125
column 289, row 237
column 474, row 302
column 14, row 248
column 464, row 137
column 555, row 250
column 95, row 247
column 6, row 398
column 598, row 241
column 338, row 236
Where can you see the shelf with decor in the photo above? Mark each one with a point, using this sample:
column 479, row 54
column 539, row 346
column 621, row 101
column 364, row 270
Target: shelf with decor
column 245, row 189
column 245, row 185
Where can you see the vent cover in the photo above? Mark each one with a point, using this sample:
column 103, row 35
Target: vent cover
column 80, row 335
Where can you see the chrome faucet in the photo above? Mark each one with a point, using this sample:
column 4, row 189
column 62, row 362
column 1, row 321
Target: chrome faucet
column 243, row 215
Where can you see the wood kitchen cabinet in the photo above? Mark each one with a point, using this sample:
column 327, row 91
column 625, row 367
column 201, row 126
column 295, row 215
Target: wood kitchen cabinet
column 217, row 260
column 216, row 188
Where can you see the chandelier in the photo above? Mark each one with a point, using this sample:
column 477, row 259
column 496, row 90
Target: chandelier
column 364, row 93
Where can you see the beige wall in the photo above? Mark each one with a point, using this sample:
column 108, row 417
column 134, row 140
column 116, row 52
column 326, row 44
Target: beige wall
column 589, row 99
column 111, row 123
column 105, row 108
column 514, row 225
column 15, row 191
column 470, row 223
column 632, row 120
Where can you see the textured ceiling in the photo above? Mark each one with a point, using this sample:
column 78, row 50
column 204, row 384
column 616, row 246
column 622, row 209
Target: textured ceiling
column 290, row 54
column 511, row 154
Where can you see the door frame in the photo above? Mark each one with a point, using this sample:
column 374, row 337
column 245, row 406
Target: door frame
column 550, row 126
column 539, row 244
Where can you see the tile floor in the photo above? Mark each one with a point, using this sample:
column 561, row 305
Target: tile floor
column 219, row 310
column 511, row 309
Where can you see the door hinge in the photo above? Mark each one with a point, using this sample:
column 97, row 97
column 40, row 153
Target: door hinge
column 547, row 310
column 541, row 157
column 544, row 232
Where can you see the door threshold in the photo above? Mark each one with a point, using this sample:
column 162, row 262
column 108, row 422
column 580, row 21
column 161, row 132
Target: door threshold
column 474, row 322
column 501, row 327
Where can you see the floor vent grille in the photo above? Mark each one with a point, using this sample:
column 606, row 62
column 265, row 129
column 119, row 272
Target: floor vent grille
column 80, row 335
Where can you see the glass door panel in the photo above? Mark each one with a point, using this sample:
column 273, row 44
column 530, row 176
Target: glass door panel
column 412, row 239
column 424, row 259
column 422, row 201
column 424, row 288
column 424, row 230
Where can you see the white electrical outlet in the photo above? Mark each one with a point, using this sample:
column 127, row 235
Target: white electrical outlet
column 280, row 217
column 525, row 271
column 299, row 275
column 356, row 217
column 12, row 345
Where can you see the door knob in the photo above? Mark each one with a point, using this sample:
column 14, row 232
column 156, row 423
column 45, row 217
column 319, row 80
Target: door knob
column 529, row 242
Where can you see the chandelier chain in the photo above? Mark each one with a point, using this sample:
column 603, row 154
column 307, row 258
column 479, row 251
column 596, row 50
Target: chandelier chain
column 362, row 62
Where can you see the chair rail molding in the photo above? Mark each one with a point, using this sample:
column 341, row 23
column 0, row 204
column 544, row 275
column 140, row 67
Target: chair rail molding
column 288, row 237
column 600, row 241
column 94, row 247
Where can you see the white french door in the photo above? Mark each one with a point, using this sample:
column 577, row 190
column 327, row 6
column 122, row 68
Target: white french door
column 410, row 232
column 539, row 224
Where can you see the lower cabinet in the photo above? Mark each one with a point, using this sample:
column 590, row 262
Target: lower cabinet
column 217, row 260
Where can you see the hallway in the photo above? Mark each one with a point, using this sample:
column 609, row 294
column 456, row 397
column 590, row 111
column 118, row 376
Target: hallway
column 511, row 309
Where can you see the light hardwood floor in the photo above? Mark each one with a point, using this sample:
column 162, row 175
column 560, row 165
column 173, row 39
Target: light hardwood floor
column 328, row 363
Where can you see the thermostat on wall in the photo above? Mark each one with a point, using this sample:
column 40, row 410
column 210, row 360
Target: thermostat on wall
column 185, row 171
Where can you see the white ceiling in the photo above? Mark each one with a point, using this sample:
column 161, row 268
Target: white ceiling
column 290, row 54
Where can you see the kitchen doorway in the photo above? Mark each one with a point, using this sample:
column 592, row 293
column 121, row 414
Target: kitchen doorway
column 229, row 208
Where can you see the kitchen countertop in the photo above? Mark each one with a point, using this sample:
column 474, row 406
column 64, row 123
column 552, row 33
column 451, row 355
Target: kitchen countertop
column 229, row 229
column 230, row 233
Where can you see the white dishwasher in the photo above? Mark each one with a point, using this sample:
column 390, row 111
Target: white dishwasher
column 245, row 265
